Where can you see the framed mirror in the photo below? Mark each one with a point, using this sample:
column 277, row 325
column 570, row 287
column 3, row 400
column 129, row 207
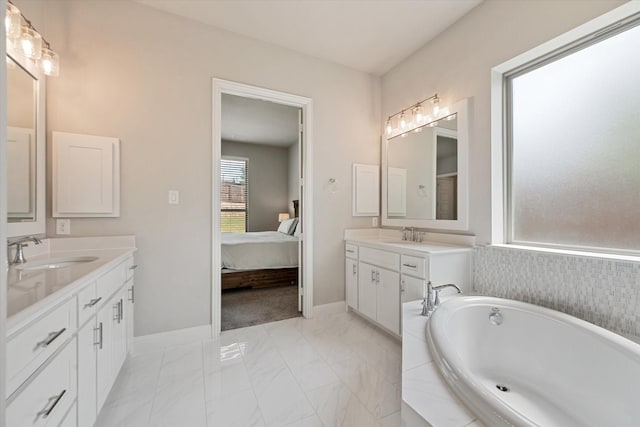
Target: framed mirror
column 25, row 147
column 425, row 173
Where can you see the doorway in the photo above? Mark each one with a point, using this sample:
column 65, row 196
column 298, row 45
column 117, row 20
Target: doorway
column 221, row 89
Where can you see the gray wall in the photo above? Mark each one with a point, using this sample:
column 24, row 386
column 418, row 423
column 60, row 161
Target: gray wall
column 490, row 34
column 143, row 75
column 268, row 182
column 457, row 65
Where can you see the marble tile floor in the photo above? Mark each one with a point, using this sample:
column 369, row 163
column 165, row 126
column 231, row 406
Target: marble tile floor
column 332, row 370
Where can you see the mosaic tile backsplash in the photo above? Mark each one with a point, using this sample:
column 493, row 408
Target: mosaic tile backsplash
column 600, row 291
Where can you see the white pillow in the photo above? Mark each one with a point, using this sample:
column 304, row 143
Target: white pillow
column 288, row 225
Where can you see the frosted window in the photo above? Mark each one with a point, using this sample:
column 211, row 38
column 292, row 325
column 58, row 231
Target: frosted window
column 575, row 148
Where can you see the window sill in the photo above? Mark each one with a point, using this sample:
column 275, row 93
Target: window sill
column 600, row 255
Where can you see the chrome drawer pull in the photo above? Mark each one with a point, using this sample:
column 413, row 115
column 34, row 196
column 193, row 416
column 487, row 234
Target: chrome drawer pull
column 132, row 297
column 133, row 267
column 410, row 265
column 351, row 251
column 93, row 302
column 51, row 338
column 46, row 412
column 100, row 334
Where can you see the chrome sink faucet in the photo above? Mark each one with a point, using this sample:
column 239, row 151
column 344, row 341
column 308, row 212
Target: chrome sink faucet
column 431, row 300
column 20, row 244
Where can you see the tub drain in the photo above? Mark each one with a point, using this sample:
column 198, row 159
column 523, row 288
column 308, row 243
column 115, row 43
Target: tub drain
column 502, row 387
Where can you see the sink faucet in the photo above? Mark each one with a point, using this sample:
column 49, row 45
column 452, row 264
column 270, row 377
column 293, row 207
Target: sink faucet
column 432, row 298
column 19, row 244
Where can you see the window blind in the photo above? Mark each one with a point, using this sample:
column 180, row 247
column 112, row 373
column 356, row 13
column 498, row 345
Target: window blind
column 234, row 194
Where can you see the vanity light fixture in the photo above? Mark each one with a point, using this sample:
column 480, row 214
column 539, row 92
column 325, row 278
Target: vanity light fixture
column 418, row 116
column 26, row 39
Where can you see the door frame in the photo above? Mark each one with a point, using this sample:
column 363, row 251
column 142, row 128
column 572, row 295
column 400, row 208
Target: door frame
column 306, row 167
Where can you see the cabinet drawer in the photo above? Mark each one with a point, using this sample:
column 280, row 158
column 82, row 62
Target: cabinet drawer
column 380, row 258
column 87, row 303
column 351, row 251
column 414, row 266
column 109, row 283
column 129, row 267
column 46, row 400
column 29, row 348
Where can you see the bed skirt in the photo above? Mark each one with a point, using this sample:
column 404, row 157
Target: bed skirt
column 260, row 278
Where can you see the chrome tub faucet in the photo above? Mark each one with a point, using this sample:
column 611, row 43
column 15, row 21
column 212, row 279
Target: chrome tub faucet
column 432, row 297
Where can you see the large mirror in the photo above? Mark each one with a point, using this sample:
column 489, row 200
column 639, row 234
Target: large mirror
column 424, row 173
column 25, row 148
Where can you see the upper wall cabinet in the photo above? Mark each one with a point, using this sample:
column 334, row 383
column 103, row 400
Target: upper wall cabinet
column 366, row 190
column 86, row 176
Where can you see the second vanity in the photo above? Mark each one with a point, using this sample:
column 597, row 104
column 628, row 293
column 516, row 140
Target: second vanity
column 69, row 328
column 382, row 271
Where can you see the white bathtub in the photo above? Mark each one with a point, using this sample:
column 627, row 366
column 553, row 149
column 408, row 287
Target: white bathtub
column 554, row 369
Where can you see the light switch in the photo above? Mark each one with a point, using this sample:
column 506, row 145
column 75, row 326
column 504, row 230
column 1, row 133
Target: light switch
column 174, row 197
column 63, row 226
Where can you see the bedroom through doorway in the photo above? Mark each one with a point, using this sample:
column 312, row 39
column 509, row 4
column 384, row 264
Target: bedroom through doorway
column 260, row 204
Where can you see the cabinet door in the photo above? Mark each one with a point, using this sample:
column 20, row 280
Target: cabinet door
column 118, row 332
column 351, row 281
column 104, row 375
column 412, row 288
column 367, row 295
column 388, row 296
column 88, row 344
column 128, row 312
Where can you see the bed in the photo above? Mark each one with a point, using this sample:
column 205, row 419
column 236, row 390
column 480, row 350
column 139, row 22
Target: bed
column 260, row 259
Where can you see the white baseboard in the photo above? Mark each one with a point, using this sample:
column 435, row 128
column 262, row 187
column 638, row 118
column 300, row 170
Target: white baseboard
column 162, row 340
column 329, row 309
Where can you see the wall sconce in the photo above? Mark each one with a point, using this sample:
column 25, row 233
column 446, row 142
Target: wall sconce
column 283, row 216
column 29, row 42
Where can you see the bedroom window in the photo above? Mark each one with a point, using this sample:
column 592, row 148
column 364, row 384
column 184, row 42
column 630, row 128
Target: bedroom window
column 234, row 194
column 572, row 152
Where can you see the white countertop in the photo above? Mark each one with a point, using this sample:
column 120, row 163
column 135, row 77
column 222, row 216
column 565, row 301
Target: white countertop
column 434, row 243
column 423, row 389
column 28, row 291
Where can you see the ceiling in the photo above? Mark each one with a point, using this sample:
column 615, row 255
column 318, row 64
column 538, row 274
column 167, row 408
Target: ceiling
column 371, row 36
column 258, row 122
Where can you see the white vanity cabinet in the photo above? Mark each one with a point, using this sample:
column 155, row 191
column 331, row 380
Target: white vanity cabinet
column 64, row 357
column 351, row 275
column 379, row 287
column 102, row 344
column 383, row 276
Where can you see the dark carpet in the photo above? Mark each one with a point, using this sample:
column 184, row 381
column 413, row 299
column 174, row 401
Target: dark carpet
column 247, row 307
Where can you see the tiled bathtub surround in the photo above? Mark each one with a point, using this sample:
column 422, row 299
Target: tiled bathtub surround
column 601, row 291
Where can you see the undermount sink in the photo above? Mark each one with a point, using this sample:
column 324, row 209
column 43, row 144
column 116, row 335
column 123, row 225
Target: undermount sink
column 56, row 263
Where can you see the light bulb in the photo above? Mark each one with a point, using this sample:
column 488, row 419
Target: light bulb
column 12, row 22
column 389, row 127
column 419, row 114
column 31, row 43
column 403, row 121
column 49, row 62
column 436, row 106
